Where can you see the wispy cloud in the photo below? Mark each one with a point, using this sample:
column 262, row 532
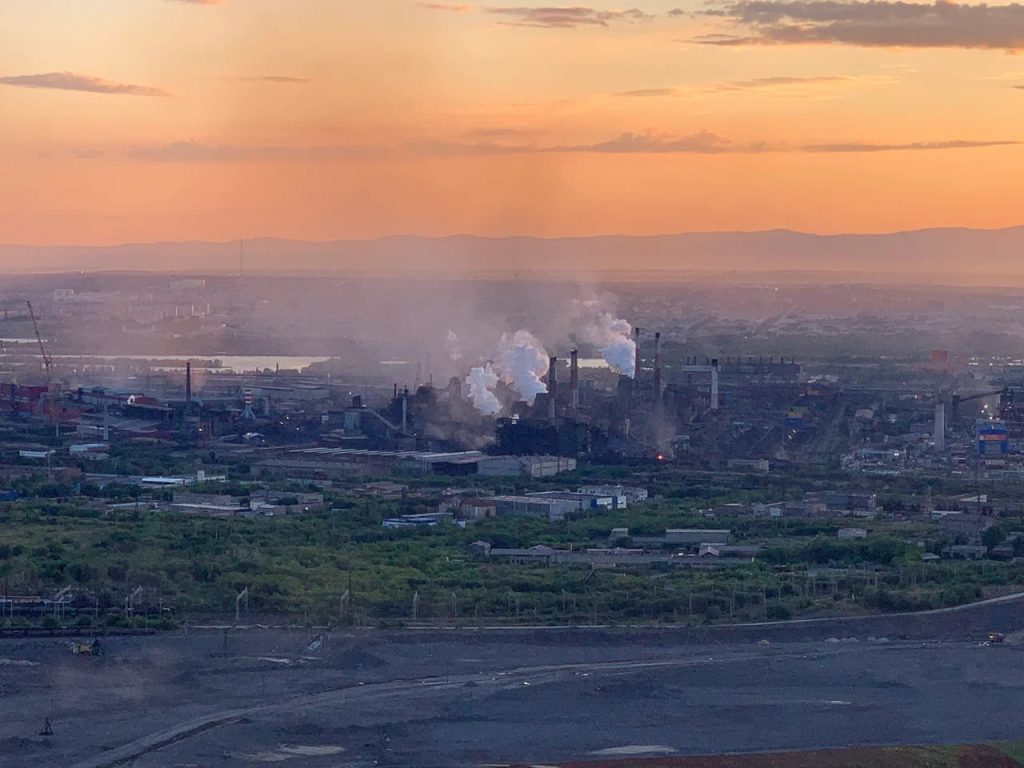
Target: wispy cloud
column 870, row 23
column 450, row 7
column 277, row 79
column 566, row 17
column 813, row 85
column 69, row 81
column 699, row 143
column 764, row 83
column 908, row 147
column 702, row 142
column 644, row 93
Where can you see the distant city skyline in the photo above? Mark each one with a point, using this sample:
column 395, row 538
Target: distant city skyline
column 159, row 120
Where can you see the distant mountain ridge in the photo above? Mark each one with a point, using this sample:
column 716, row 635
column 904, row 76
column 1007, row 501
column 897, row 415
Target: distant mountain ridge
column 926, row 255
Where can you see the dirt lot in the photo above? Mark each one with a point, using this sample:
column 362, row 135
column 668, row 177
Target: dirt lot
column 980, row 756
column 461, row 698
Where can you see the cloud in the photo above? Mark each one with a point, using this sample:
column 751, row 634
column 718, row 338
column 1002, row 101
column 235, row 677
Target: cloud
column 800, row 86
column 279, row 79
column 870, row 23
column 69, row 81
column 760, row 83
column 699, row 143
column 646, row 93
column 451, row 7
column 566, row 17
column 702, row 142
column 199, row 2
column 913, row 146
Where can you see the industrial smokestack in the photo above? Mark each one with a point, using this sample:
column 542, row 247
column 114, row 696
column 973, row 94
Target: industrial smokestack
column 574, row 379
column 552, row 387
column 636, row 338
column 188, row 388
column 657, row 367
column 405, row 411
column 940, row 426
column 714, row 385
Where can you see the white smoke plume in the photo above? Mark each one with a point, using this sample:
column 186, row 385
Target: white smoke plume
column 521, row 361
column 481, row 382
column 452, row 346
column 613, row 338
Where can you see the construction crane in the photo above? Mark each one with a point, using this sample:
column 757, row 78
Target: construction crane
column 47, row 360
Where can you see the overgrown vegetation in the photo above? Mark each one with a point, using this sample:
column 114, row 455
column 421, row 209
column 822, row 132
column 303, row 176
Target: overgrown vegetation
column 305, row 566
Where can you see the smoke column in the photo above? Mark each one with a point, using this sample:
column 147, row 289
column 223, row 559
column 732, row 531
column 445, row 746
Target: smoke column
column 481, row 382
column 612, row 336
column 521, row 361
column 452, row 346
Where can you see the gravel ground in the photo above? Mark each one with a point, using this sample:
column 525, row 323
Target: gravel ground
column 461, row 698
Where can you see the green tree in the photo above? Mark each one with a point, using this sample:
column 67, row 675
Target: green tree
column 993, row 537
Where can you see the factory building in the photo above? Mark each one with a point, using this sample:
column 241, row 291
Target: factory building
column 552, row 509
column 993, row 438
column 586, row 501
column 416, row 462
column 525, row 466
column 697, row 536
column 625, row 494
column 332, row 460
column 964, row 525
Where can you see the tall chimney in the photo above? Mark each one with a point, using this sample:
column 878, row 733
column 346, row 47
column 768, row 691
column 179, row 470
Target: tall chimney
column 574, row 380
column 636, row 338
column 552, row 386
column 714, row 385
column 188, row 388
column 657, row 367
column 940, row 426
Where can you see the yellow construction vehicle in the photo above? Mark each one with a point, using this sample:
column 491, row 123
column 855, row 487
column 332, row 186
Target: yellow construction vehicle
column 85, row 648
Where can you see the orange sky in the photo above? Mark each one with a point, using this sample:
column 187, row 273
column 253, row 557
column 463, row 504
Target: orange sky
column 127, row 120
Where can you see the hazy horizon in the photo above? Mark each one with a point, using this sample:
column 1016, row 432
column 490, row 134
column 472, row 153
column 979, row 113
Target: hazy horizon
column 938, row 256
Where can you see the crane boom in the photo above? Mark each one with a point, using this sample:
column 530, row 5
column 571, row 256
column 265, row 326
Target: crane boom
column 47, row 360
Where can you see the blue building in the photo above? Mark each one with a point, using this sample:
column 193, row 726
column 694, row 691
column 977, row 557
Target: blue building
column 993, row 438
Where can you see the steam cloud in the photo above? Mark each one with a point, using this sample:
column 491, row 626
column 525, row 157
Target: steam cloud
column 481, row 382
column 521, row 362
column 453, row 347
column 613, row 338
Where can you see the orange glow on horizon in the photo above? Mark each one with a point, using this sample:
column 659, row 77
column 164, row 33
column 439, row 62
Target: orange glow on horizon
column 312, row 119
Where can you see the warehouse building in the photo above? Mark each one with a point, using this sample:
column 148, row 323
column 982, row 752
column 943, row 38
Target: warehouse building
column 535, row 506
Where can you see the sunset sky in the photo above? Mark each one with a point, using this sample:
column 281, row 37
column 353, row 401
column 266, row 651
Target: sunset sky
column 141, row 120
